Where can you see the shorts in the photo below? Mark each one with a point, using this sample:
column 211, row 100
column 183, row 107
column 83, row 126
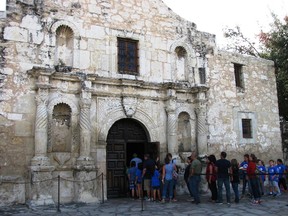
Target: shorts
column 131, row 185
column 156, row 187
column 147, row 184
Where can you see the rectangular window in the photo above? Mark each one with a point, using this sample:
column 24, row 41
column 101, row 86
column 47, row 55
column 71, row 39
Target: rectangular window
column 247, row 128
column 202, row 75
column 238, row 75
column 128, row 56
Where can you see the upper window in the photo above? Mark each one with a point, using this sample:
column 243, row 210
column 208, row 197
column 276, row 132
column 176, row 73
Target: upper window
column 246, row 128
column 128, row 56
column 238, row 75
column 202, row 75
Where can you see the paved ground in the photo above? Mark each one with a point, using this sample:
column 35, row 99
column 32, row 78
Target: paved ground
column 270, row 207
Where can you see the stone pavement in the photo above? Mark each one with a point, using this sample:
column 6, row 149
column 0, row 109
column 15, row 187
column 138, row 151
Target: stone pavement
column 125, row 206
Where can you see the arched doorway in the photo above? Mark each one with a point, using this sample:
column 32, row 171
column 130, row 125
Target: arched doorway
column 125, row 137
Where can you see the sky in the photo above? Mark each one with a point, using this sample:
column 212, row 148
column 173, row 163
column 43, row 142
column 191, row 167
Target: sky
column 214, row 15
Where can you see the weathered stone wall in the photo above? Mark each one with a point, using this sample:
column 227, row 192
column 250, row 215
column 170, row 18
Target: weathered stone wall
column 258, row 100
column 90, row 86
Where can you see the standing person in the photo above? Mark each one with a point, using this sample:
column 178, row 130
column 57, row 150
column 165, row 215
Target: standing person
column 138, row 181
column 155, row 183
column 167, row 179
column 175, row 175
column 211, row 176
column 186, row 176
column 273, row 179
column 148, row 171
column 235, row 180
column 132, row 176
column 262, row 177
column 282, row 177
column 222, row 169
column 251, row 174
column 194, row 177
column 243, row 175
column 136, row 159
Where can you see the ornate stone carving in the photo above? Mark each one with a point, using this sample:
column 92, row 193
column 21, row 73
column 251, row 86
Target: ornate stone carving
column 129, row 105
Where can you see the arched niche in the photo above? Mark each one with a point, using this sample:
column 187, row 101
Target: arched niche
column 64, row 46
column 61, row 130
column 184, row 132
column 181, row 63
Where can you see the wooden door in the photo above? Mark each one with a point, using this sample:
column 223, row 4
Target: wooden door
column 122, row 132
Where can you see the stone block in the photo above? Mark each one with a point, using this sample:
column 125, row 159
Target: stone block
column 85, row 59
column 23, row 128
column 31, row 22
column 16, row 34
column 36, row 37
column 12, row 190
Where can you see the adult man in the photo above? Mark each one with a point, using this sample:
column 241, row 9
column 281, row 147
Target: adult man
column 194, row 177
column 148, row 171
column 222, row 170
column 136, row 159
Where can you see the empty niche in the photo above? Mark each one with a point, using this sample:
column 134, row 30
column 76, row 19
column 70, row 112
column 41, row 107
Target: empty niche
column 184, row 132
column 61, row 128
column 181, row 62
column 64, row 46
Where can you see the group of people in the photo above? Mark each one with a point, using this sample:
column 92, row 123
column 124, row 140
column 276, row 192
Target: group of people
column 151, row 178
column 251, row 171
column 158, row 181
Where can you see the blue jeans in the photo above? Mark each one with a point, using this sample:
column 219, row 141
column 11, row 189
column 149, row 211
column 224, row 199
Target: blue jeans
column 194, row 182
column 255, row 188
column 220, row 182
column 168, row 185
column 236, row 191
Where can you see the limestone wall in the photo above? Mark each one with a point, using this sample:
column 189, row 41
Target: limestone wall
column 83, row 74
column 257, row 100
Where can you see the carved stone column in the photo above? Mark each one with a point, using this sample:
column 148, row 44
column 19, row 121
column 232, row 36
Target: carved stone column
column 41, row 170
column 41, row 129
column 202, row 131
column 172, row 127
column 85, row 128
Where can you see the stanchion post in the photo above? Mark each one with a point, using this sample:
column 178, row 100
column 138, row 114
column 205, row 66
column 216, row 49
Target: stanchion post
column 102, row 179
column 58, row 207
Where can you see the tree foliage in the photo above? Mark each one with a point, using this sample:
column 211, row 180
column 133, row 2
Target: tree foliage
column 273, row 46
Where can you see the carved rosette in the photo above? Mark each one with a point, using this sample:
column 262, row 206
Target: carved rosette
column 129, row 105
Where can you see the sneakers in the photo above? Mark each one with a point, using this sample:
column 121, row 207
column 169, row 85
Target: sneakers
column 163, row 201
column 219, row 203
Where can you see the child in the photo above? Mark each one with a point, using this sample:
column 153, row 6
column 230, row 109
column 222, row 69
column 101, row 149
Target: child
column 132, row 177
column 235, row 180
column 138, row 180
column 262, row 174
column 273, row 179
column 155, row 183
column 282, row 170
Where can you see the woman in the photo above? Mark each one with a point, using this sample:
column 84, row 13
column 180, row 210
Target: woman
column 235, row 180
column 167, row 179
column 211, row 176
column 251, row 173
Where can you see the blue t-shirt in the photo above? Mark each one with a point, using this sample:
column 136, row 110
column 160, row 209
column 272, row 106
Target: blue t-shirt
column 155, row 182
column 169, row 171
column 273, row 171
column 243, row 166
column 139, row 175
column 262, row 173
column 132, row 173
column 281, row 170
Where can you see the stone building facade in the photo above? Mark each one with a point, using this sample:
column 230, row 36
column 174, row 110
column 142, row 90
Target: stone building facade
column 85, row 84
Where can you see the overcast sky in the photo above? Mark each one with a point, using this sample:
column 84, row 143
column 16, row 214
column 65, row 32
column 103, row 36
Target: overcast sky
column 214, row 15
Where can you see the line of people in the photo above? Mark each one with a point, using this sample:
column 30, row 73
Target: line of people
column 159, row 180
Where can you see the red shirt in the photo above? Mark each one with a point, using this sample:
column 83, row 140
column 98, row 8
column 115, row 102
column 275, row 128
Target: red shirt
column 251, row 169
